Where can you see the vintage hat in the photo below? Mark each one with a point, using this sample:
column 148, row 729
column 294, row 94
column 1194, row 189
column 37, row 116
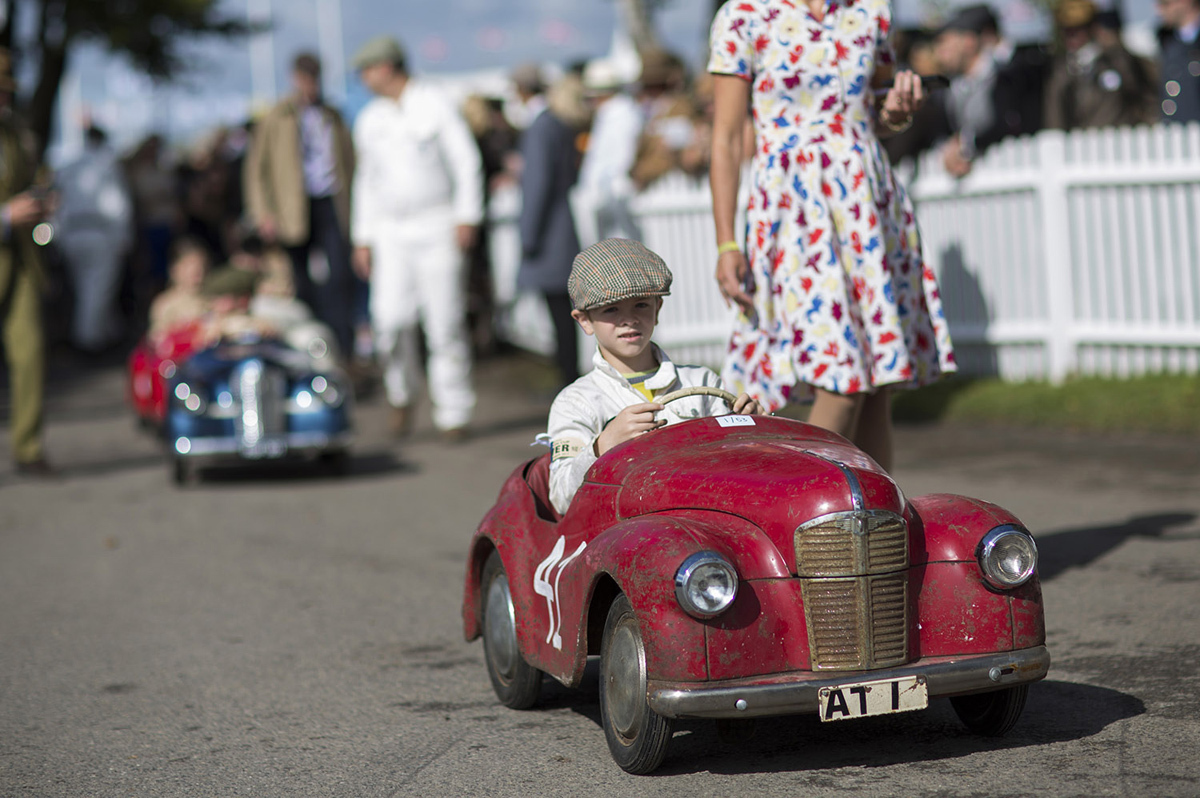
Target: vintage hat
column 378, row 50
column 601, row 75
column 972, row 19
column 615, row 269
column 659, row 68
column 528, row 76
column 1075, row 13
column 229, row 281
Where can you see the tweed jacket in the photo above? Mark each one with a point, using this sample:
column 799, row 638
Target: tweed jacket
column 273, row 173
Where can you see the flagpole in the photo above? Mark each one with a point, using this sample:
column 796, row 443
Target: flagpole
column 262, row 55
column 332, row 47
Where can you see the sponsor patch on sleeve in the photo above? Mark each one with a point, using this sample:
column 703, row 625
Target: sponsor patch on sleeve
column 563, row 448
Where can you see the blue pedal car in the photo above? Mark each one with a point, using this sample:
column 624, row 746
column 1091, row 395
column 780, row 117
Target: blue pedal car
column 254, row 400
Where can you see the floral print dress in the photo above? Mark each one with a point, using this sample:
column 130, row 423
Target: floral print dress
column 843, row 299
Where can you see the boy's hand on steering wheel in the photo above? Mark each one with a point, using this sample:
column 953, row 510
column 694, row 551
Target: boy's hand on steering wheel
column 746, row 405
column 631, row 422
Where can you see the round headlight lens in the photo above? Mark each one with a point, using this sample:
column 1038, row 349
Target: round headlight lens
column 1008, row 556
column 705, row 584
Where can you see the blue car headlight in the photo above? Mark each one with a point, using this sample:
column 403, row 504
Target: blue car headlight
column 191, row 399
column 705, row 584
column 1007, row 556
column 329, row 391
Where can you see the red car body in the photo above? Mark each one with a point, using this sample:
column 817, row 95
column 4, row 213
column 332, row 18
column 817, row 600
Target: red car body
column 841, row 580
column 151, row 366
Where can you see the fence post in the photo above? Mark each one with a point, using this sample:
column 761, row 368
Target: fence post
column 1056, row 253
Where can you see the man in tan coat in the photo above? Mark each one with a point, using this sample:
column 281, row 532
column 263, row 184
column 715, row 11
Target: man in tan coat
column 297, row 179
column 21, row 208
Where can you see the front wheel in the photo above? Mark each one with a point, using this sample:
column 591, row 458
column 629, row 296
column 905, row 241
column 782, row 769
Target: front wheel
column 637, row 735
column 515, row 681
column 991, row 714
column 183, row 472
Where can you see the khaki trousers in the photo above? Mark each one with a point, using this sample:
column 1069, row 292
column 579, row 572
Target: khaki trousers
column 21, row 316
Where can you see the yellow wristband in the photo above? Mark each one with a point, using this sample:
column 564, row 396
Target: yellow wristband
column 728, row 246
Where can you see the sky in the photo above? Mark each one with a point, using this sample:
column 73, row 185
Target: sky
column 228, row 81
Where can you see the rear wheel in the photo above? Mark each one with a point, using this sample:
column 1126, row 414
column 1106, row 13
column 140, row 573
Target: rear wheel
column 637, row 735
column 515, row 681
column 991, row 714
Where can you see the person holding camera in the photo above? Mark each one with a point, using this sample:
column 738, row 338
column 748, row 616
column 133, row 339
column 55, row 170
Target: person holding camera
column 22, row 207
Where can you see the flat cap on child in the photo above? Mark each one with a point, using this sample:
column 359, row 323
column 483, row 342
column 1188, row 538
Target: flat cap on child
column 615, row 269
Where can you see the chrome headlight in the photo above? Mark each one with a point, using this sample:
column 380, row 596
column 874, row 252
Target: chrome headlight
column 705, row 584
column 190, row 399
column 328, row 390
column 318, row 348
column 1008, row 556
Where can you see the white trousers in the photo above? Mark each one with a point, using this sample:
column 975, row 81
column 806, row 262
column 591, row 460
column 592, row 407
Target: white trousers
column 94, row 261
column 418, row 277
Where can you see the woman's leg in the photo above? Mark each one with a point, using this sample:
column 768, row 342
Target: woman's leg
column 866, row 419
column 874, row 433
column 836, row 412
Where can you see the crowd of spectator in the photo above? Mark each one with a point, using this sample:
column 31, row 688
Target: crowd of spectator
column 300, row 199
column 1087, row 78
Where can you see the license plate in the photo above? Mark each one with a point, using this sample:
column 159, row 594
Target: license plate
column 865, row 699
column 269, row 448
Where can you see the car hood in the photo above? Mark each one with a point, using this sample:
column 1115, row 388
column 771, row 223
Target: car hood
column 777, row 474
column 216, row 362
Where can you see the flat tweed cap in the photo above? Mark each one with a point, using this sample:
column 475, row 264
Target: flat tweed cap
column 229, row 281
column 615, row 269
column 381, row 48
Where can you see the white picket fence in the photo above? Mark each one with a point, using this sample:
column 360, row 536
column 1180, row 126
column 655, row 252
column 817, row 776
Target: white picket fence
column 1059, row 254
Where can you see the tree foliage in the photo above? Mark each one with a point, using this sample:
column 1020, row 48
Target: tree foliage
column 147, row 32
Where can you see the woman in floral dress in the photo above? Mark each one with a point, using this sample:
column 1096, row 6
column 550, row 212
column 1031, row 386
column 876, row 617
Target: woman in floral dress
column 836, row 303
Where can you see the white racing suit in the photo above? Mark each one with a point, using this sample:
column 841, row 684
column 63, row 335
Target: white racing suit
column 418, row 176
column 93, row 231
column 582, row 410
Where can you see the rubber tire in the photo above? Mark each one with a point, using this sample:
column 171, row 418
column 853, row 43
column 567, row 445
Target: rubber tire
column 183, row 472
column 991, row 714
column 516, row 683
column 336, row 463
column 640, row 748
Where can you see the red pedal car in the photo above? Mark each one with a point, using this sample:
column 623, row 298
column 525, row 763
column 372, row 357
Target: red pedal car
column 746, row 566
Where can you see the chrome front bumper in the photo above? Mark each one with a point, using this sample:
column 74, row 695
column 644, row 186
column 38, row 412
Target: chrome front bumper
column 796, row 693
column 273, row 447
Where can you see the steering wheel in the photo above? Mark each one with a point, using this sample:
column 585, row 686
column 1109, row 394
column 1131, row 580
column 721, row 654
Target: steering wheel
column 699, row 390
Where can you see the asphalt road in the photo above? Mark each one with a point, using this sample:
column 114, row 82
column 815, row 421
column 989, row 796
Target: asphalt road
column 294, row 634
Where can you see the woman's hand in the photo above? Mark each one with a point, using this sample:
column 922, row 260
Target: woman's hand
column 903, row 100
column 731, row 279
column 745, row 405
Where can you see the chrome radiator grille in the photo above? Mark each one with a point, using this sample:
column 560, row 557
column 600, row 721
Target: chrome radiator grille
column 855, row 589
column 258, row 393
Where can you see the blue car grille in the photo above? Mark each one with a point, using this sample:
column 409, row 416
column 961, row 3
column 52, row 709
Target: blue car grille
column 258, row 392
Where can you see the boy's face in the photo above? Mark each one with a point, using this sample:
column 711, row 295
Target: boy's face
column 188, row 271
column 623, row 330
column 228, row 304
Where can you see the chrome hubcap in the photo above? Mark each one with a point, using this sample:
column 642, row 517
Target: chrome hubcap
column 625, row 679
column 500, row 628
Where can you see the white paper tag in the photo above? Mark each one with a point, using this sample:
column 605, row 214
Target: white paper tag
column 735, row 421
